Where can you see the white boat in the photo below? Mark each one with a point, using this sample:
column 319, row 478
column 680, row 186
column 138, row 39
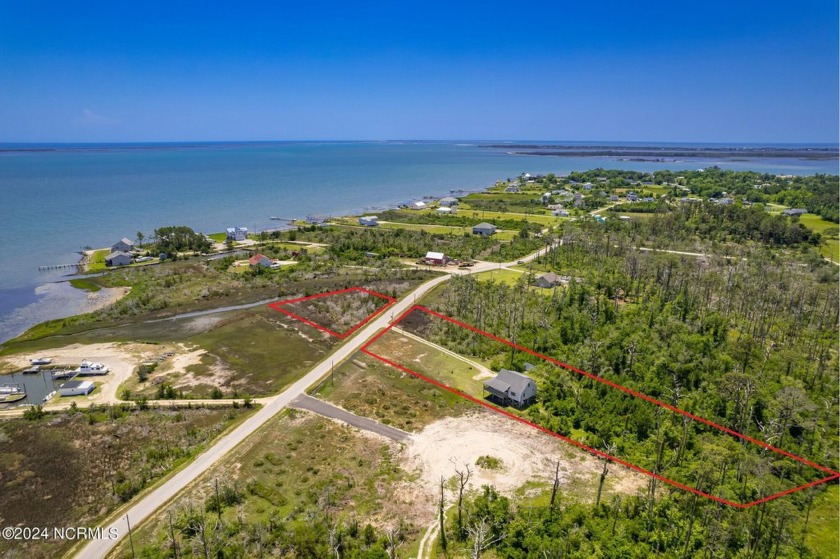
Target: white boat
column 11, row 393
column 91, row 368
column 41, row 361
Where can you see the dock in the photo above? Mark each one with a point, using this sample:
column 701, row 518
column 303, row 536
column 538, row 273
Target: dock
column 58, row 267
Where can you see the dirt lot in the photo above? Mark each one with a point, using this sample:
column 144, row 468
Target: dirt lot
column 527, row 457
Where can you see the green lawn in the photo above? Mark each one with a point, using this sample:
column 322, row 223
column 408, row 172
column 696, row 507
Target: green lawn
column 505, row 276
column 97, row 260
column 816, row 223
column 542, row 219
column 218, row 237
column 822, row 536
column 831, row 249
column 429, row 361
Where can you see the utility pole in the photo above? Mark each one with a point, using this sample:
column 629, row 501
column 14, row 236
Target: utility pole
column 130, row 539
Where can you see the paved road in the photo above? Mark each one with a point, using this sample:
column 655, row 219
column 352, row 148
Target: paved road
column 147, row 505
column 305, row 402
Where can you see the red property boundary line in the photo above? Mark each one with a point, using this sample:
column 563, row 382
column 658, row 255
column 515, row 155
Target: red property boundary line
column 833, row 475
column 278, row 306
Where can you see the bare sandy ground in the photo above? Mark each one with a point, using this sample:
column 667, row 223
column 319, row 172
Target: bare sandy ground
column 105, row 297
column 527, row 455
column 121, row 359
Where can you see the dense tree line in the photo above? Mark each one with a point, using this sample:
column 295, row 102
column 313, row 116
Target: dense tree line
column 178, row 238
column 749, row 344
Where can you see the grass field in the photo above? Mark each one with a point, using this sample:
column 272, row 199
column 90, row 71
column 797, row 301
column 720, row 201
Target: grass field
column 86, row 284
column 831, row 248
column 370, row 388
column 822, row 537
column 505, row 276
column 75, row 468
column 294, row 469
column 97, row 260
column 431, row 362
column 541, row 218
column 218, row 237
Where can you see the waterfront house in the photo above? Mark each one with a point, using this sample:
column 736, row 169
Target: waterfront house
column 118, row 258
column 549, row 279
column 436, row 258
column 484, row 229
column 123, row 245
column 237, row 233
column 794, row 212
column 259, row 260
column 418, row 205
column 511, row 388
column 448, row 202
column 76, row 388
column 369, row 220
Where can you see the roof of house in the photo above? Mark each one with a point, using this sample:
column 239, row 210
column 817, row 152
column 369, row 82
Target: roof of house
column 117, row 253
column 485, row 225
column 550, row 277
column 126, row 241
column 435, row 255
column 507, row 379
column 449, row 200
column 256, row 259
column 369, row 217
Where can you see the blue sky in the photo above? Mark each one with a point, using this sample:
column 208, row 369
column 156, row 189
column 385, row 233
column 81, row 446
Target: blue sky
column 743, row 71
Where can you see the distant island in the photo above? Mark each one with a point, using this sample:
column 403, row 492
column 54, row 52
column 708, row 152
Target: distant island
column 659, row 152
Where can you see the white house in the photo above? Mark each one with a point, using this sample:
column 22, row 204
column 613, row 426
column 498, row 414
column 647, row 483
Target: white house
column 76, row 388
column 512, row 388
column 446, row 211
column 369, row 220
column 118, row 258
column 123, row 245
column 418, row 205
column 237, row 233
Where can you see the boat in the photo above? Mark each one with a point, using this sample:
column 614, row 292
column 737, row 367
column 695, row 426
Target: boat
column 10, row 393
column 33, row 370
column 63, row 373
column 41, row 361
column 91, row 368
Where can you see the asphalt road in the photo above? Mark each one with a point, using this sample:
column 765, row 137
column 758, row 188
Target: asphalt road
column 150, row 502
column 305, row 402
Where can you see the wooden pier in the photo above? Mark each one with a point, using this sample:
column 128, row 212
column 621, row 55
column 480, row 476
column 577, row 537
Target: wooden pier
column 57, row 267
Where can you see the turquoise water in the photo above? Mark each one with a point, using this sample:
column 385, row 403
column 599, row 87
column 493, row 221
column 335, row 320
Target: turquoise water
column 54, row 202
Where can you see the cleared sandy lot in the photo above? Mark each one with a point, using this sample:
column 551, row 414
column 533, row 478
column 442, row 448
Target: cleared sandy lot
column 526, row 455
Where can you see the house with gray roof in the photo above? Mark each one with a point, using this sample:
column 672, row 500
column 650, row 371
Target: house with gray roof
column 794, row 211
column 484, row 229
column 123, row 245
column 118, row 258
column 549, row 279
column 448, row 201
column 511, row 388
